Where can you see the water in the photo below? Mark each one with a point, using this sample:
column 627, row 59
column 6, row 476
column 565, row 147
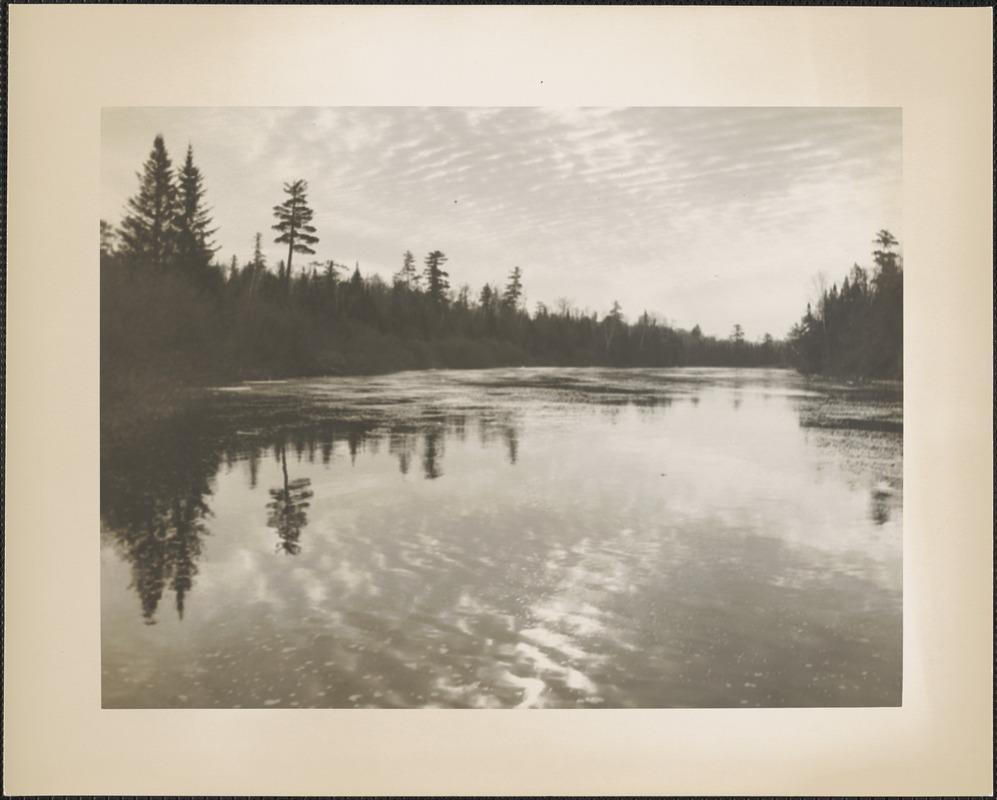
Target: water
column 544, row 538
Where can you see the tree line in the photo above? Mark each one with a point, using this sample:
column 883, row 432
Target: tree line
column 856, row 330
column 171, row 315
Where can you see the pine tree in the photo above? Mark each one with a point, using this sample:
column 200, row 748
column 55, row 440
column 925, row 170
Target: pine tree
column 887, row 316
column 258, row 266
column 295, row 224
column 613, row 323
column 884, row 258
column 514, row 290
column 407, row 276
column 147, row 231
column 193, row 249
column 259, row 260
column 331, row 272
column 436, row 278
column 486, row 298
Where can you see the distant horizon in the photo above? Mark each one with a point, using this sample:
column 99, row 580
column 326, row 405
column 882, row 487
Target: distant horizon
column 702, row 216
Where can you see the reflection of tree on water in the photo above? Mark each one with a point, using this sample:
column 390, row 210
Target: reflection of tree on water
column 254, row 466
column 185, row 547
column 402, row 444
column 501, row 426
column 458, row 426
column 511, row 436
column 164, row 551
column 354, row 438
column 154, row 490
column 287, row 507
column 863, row 428
column 433, row 450
column 153, row 501
column 879, row 503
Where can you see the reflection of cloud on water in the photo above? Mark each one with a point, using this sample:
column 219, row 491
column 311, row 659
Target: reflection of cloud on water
column 353, row 580
column 552, row 641
column 532, row 689
column 551, row 565
column 537, row 661
column 568, row 637
column 581, row 618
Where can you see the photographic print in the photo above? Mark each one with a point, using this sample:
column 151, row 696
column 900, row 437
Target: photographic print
column 501, row 407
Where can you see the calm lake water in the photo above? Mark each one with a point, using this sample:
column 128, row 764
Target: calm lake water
column 541, row 538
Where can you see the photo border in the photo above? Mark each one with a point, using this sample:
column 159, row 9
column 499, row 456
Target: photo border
column 66, row 62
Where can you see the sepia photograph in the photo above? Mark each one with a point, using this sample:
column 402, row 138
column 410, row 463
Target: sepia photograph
column 501, row 407
column 611, row 386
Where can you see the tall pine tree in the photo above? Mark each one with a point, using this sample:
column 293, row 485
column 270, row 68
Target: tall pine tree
column 258, row 265
column 295, row 224
column 147, row 230
column 193, row 249
column 436, row 278
column 514, row 290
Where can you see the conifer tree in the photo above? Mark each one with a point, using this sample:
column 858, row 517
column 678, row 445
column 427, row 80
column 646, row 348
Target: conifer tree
column 108, row 238
column 295, row 224
column 436, row 278
column 407, row 275
column 356, row 282
column 885, row 259
column 486, row 298
column 193, row 249
column 147, row 230
column 613, row 323
column 514, row 289
column 258, row 265
column 259, row 260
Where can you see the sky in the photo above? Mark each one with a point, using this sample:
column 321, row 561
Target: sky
column 708, row 216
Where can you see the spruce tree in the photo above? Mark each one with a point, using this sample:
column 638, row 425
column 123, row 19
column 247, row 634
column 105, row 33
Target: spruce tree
column 193, row 249
column 486, row 298
column 258, row 265
column 295, row 224
column 514, row 290
column 147, row 230
column 259, row 260
column 436, row 278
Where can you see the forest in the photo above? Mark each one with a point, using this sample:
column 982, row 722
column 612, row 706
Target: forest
column 856, row 330
column 172, row 317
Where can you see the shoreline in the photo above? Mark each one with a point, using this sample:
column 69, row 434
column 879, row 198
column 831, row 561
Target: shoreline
column 139, row 402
